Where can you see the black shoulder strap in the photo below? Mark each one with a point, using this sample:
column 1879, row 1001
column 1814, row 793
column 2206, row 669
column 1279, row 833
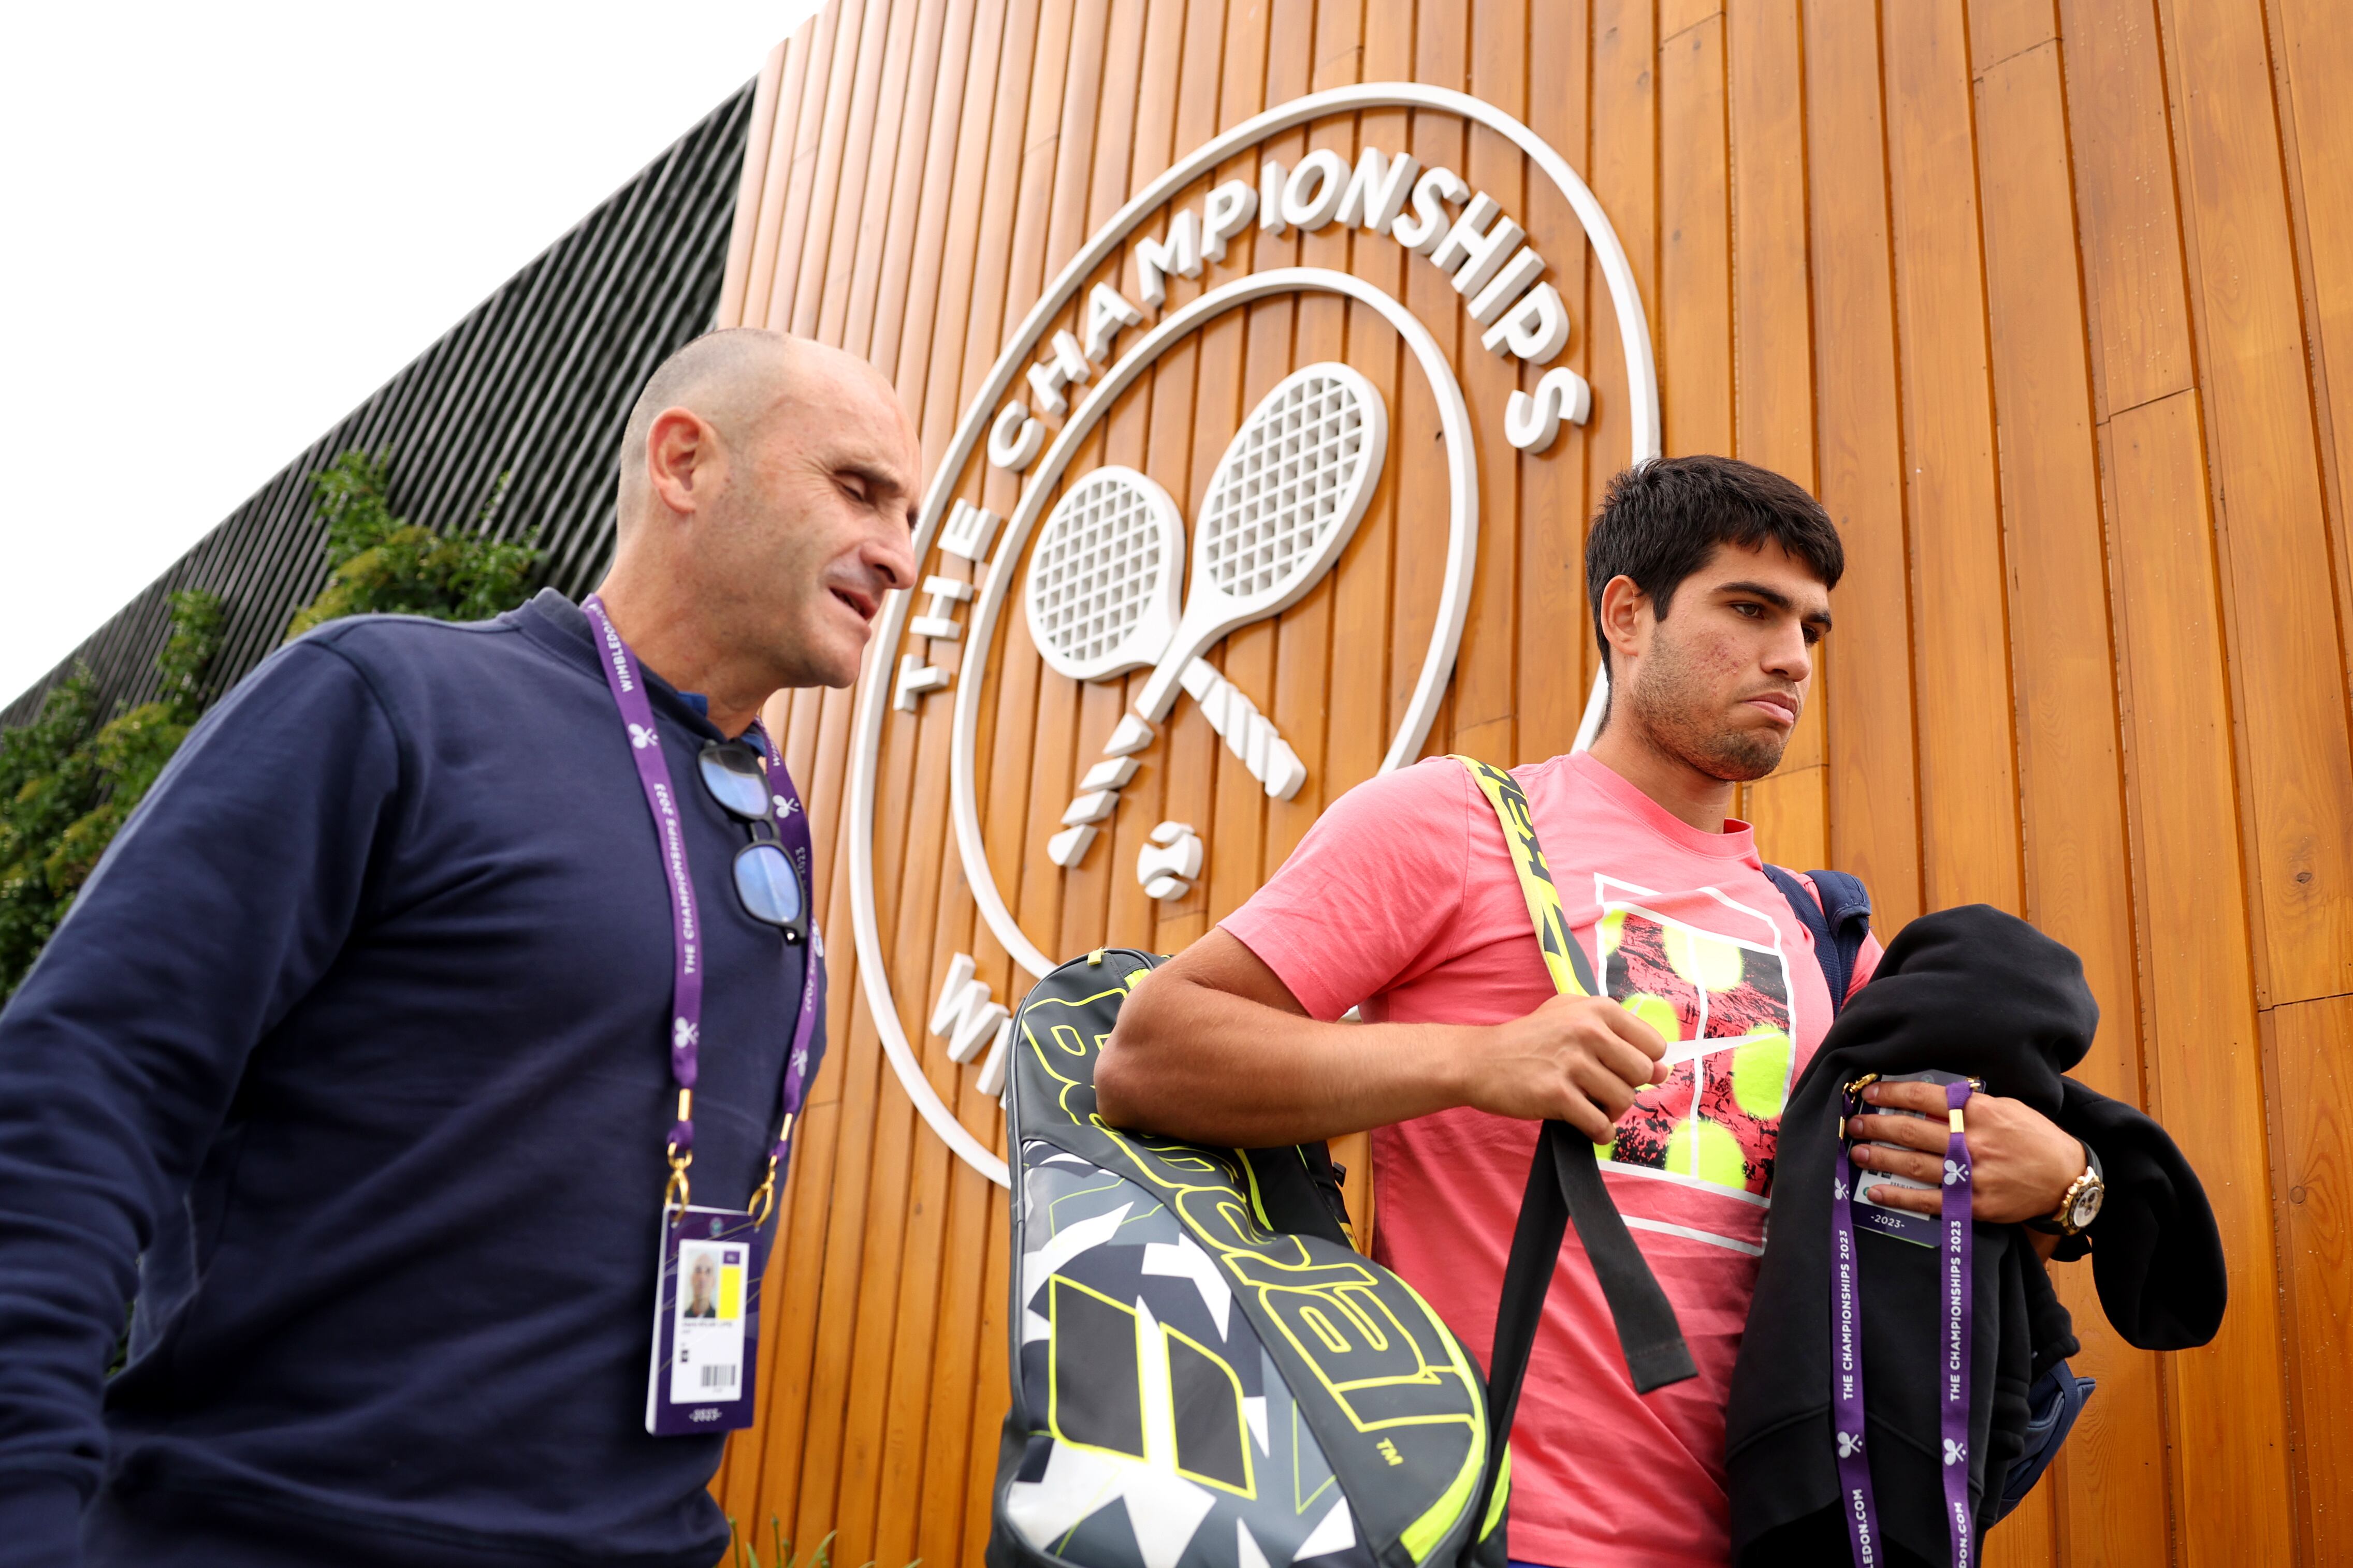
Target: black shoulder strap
column 1297, row 1189
column 1839, row 922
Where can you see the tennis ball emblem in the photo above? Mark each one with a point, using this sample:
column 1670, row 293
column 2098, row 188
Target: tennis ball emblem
column 1171, row 863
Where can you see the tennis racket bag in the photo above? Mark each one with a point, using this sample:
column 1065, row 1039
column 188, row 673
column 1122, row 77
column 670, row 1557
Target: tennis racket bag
column 1207, row 1374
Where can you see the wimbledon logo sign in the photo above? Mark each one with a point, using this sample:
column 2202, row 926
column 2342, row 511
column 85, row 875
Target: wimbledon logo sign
column 1105, row 587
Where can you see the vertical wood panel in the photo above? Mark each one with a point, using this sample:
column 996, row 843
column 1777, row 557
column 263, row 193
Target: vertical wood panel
column 1556, row 635
column 884, row 56
column 1773, row 360
column 751, row 183
column 1869, row 674
column 815, row 51
column 1054, row 156
column 1305, row 677
column 1160, row 84
column 1694, row 326
column 926, row 1345
column 2001, row 28
column 1622, row 168
column 2131, row 253
column 1356, row 720
column 2316, row 54
column 1968, row 798
column 1486, row 677
column 2070, row 777
column 2288, row 669
column 1439, row 55
column 821, row 308
column 889, row 214
column 2201, row 996
column 2316, row 1097
column 2315, row 51
column 775, row 185
column 1192, row 748
column 1232, row 376
column 855, row 52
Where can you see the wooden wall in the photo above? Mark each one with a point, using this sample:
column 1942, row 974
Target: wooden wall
column 2042, row 299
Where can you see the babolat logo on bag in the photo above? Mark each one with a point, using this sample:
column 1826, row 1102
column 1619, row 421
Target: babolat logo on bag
column 1205, row 1373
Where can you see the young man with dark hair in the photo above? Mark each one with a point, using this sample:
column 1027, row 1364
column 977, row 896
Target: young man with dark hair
column 1710, row 581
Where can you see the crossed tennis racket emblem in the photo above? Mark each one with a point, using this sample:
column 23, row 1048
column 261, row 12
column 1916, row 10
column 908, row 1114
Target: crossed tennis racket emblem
column 1105, row 580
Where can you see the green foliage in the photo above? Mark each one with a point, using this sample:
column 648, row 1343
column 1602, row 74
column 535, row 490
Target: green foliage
column 384, row 565
column 69, row 779
column 741, row 1553
column 67, row 782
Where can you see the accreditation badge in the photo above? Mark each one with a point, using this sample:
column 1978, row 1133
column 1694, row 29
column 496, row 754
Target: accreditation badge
column 706, row 1322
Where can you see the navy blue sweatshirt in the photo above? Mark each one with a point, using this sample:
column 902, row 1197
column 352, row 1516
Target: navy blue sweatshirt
column 350, row 1063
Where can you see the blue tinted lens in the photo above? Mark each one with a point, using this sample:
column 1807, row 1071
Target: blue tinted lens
column 733, row 776
column 768, row 885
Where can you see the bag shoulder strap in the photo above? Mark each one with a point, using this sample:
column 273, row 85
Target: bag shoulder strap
column 1564, row 1185
column 1837, row 914
column 1571, row 974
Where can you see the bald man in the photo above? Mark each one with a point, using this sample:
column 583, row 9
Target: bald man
column 355, row 1073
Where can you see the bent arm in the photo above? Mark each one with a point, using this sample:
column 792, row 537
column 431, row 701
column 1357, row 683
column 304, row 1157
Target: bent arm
column 1214, row 1048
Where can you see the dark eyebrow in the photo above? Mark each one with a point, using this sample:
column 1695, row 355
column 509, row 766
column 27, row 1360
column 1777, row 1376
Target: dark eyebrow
column 1776, row 598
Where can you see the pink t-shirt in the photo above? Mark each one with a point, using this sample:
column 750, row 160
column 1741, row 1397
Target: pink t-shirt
column 1402, row 899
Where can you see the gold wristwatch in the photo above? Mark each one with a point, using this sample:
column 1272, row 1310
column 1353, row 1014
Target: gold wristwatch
column 2081, row 1205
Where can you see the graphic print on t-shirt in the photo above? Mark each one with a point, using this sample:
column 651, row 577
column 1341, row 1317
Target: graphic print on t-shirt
column 1721, row 1001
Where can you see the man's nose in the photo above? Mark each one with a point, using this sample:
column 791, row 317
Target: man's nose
column 894, row 558
column 1790, row 657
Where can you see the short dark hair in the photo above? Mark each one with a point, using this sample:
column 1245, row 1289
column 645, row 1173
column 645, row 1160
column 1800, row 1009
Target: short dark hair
column 1661, row 519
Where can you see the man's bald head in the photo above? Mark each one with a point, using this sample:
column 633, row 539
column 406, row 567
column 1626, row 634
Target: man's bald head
column 734, row 378
column 768, row 489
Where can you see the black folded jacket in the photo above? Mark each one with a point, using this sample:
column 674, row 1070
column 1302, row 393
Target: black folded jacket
column 1978, row 991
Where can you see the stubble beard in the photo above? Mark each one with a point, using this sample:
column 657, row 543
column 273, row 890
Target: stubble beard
column 1671, row 704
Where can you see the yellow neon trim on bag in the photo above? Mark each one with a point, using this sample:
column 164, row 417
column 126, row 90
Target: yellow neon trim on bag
column 1571, row 974
column 1503, row 1493
column 1422, row 1536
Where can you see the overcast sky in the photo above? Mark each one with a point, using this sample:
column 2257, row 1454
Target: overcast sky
column 227, row 224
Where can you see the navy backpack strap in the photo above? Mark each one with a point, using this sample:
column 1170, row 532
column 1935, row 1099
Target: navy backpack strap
column 1839, row 922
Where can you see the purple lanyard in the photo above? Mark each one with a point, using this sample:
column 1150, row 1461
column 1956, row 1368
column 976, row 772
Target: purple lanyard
column 1856, row 1499
column 791, row 822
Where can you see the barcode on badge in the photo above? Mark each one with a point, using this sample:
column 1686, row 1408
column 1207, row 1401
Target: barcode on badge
column 719, row 1376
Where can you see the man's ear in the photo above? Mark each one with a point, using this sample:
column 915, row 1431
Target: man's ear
column 683, row 459
column 1625, row 618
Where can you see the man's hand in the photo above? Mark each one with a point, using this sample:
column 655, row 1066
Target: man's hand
column 2020, row 1163
column 1578, row 1060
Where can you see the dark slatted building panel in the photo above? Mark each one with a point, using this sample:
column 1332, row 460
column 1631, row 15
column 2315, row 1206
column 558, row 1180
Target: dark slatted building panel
column 535, row 382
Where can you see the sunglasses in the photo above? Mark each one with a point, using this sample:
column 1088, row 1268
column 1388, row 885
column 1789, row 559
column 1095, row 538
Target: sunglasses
column 767, row 881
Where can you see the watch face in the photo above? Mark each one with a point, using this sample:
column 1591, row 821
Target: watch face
column 2086, row 1206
